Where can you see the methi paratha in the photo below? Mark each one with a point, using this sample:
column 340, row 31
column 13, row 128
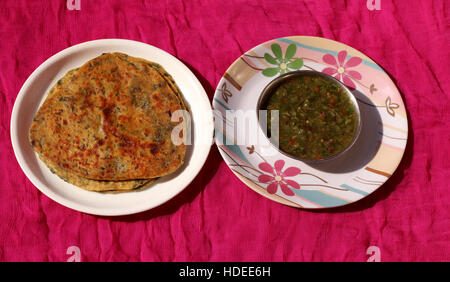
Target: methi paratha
column 143, row 64
column 110, row 120
column 90, row 184
column 96, row 185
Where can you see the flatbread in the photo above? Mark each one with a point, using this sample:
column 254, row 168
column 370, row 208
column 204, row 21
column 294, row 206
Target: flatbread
column 95, row 185
column 142, row 64
column 110, row 120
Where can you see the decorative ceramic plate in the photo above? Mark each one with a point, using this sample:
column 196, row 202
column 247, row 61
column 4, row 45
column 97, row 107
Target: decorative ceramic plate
column 34, row 92
column 249, row 154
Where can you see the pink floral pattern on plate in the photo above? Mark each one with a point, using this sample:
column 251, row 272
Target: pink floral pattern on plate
column 277, row 177
column 340, row 69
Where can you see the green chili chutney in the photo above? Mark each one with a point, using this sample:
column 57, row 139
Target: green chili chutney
column 317, row 119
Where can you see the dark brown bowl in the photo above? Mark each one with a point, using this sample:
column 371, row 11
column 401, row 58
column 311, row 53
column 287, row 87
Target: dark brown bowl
column 268, row 90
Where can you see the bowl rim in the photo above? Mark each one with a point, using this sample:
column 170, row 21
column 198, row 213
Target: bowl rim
column 268, row 89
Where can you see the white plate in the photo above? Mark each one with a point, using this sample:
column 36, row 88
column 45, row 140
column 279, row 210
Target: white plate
column 34, row 92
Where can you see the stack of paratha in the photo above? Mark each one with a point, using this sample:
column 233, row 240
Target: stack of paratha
column 106, row 126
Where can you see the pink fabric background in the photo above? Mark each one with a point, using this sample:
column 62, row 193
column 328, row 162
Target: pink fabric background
column 217, row 218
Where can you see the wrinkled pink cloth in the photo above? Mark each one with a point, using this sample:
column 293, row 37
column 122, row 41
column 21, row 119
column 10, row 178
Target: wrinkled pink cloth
column 217, row 218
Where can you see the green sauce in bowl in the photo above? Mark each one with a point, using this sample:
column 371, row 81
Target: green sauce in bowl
column 317, row 118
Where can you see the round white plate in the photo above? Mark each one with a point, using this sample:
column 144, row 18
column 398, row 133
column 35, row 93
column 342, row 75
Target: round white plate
column 246, row 150
column 34, row 92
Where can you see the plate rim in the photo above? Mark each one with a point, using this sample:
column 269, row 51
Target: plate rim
column 274, row 197
column 71, row 203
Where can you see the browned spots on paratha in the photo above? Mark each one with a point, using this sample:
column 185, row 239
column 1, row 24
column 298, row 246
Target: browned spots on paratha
column 108, row 120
